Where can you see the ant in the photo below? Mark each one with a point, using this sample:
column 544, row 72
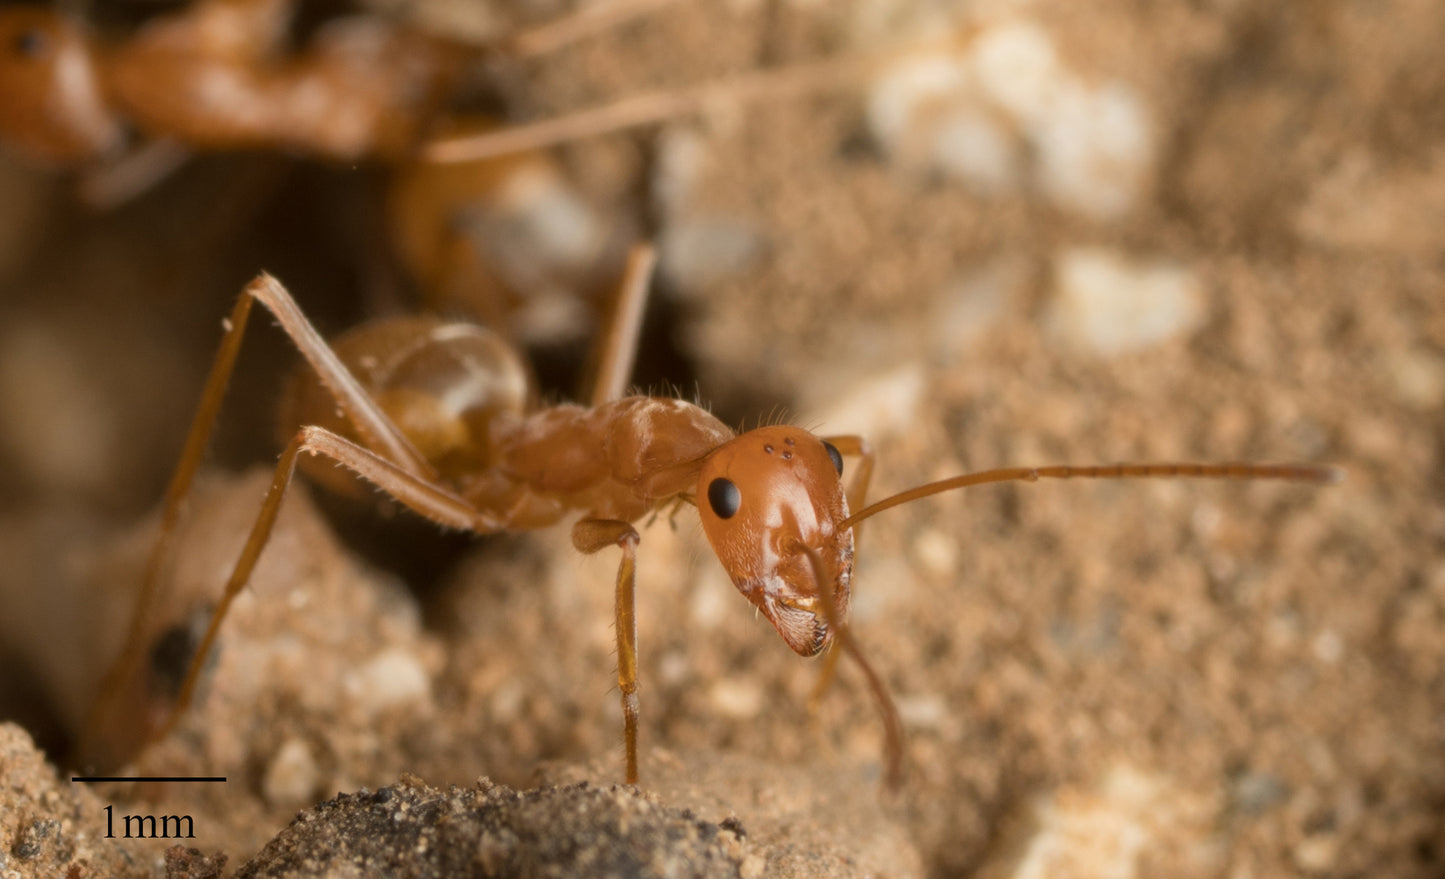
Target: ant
column 436, row 415
column 214, row 76
column 220, row 75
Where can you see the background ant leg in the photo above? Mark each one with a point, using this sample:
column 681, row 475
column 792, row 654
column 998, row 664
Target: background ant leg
column 419, row 495
column 648, row 108
column 617, row 354
column 588, row 19
column 590, row 536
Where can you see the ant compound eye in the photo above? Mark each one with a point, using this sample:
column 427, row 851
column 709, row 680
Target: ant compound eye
column 835, row 455
column 724, row 498
column 31, row 43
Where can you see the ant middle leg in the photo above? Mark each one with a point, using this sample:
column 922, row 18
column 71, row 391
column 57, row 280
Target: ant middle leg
column 593, row 535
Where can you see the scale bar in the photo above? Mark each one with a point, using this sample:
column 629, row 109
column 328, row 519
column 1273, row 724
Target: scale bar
column 148, row 778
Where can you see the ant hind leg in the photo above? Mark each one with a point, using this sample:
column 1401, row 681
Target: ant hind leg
column 421, row 496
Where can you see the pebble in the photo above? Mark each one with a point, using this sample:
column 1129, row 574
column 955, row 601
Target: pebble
column 391, row 678
column 1106, row 303
column 292, row 777
column 699, row 252
column 1095, row 150
column 980, row 115
column 736, row 699
column 1097, row 831
column 970, row 305
column 888, row 404
column 1417, row 377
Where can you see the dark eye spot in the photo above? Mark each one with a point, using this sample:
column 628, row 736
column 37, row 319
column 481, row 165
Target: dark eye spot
column 31, row 43
column 723, row 497
column 835, row 455
column 170, row 659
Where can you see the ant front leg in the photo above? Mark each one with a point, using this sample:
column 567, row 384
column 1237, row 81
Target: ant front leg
column 590, row 536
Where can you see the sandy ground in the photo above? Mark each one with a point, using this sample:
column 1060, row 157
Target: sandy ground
column 1207, row 231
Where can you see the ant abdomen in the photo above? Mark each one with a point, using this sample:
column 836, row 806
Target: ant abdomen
column 441, row 382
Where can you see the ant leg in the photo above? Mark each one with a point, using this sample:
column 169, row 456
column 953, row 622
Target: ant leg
column 377, row 431
column 423, row 497
column 649, row 108
column 139, row 170
column 363, row 412
column 843, row 635
column 593, row 535
column 618, row 352
column 590, row 19
column 128, row 662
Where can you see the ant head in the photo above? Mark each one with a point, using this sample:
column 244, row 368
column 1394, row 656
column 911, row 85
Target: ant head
column 770, row 502
column 51, row 104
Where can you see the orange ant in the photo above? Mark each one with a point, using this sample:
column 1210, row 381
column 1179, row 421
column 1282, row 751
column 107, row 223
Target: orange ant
column 436, row 415
column 219, row 76
column 212, row 77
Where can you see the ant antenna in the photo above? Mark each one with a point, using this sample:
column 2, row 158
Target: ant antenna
column 1284, row 472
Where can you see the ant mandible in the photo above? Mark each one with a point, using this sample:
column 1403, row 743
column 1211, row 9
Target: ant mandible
column 473, row 456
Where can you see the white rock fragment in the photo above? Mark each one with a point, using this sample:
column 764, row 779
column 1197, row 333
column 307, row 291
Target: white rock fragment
column 699, row 252
column 936, row 552
column 970, row 305
column 923, row 712
column 1101, row 831
column 1095, row 150
column 1106, row 303
column 1017, row 68
column 682, row 158
column 1328, row 647
column 391, row 678
column 928, row 118
column 980, row 114
column 1417, row 377
column 736, row 699
column 874, row 407
column 905, row 89
column 970, row 144
column 292, row 777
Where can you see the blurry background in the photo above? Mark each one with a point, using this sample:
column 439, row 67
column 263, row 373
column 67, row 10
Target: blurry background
column 1054, row 232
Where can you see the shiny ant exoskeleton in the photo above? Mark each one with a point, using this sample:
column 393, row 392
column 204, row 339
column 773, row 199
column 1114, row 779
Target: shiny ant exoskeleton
column 437, row 416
